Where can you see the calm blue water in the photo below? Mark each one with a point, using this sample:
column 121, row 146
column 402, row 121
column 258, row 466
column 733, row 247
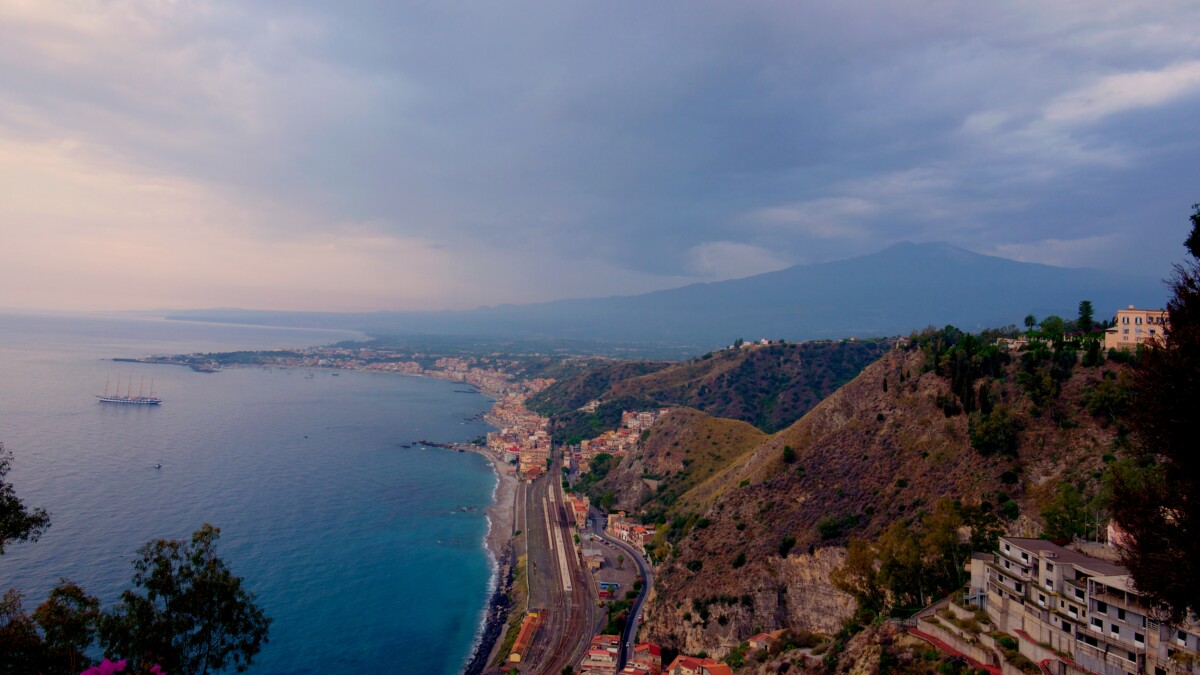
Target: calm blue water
column 358, row 548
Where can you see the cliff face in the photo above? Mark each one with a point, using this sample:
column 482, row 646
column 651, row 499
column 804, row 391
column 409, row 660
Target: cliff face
column 748, row 543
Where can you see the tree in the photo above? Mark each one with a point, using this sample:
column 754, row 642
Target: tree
column 68, row 619
column 1030, row 322
column 1085, row 322
column 1066, row 515
column 1157, row 497
column 858, row 576
column 901, row 567
column 187, row 612
column 1053, row 327
column 20, row 645
column 17, row 523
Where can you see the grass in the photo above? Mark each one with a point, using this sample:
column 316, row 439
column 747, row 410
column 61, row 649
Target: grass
column 519, row 596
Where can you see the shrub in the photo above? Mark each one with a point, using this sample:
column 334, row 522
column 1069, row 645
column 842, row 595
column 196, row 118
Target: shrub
column 789, row 455
column 739, row 560
column 786, row 545
column 995, row 432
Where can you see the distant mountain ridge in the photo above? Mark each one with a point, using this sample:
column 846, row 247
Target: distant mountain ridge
column 899, row 289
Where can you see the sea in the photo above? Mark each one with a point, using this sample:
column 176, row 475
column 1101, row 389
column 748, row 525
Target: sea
column 368, row 555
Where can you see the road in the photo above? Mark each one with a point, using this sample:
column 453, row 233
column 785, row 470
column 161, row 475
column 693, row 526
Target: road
column 629, row 637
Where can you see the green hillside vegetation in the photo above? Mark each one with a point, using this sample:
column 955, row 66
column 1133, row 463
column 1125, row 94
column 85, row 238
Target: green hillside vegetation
column 573, row 392
column 683, row 450
column 769, row 386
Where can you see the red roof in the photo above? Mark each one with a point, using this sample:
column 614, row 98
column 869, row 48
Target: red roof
column 648, row 647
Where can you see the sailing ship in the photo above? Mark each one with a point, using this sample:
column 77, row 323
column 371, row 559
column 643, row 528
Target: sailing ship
column 128, row 398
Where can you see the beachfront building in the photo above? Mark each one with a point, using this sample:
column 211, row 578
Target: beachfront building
column 1062, row 602
column 1132, row 327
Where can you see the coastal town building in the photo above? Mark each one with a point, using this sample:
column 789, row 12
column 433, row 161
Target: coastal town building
column 766, row 641
column 1083, row 607
column 601, row 656
column 525, row 636
column 617, row 442
column 695, row 665
column 630, row 531
column 578, row 507
column 1132, row 327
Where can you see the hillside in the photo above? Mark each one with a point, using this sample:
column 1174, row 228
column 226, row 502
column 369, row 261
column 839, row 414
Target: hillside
column 769, row 386
column 867, row 456
column 902, row 288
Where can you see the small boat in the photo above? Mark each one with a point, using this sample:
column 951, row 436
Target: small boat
column 158, row 466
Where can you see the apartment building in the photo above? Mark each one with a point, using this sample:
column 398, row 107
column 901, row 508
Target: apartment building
column 1132, row 327
column 1080, row 606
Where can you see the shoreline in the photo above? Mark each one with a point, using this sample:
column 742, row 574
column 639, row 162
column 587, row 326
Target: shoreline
column 498, row 542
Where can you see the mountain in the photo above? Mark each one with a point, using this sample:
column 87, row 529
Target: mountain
column 897, row 290
column 751, row 525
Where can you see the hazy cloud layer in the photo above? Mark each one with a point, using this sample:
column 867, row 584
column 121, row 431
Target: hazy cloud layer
column 418, row 155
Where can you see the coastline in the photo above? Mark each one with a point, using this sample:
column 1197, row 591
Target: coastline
column 499, row 544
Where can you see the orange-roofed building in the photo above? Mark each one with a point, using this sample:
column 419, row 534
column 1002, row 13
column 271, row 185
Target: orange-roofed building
column 601, row 657
column 694, row 665
column 766, row 640
column 647, row 653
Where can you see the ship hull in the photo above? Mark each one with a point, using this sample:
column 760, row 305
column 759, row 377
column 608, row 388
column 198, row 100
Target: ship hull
column 124, row 400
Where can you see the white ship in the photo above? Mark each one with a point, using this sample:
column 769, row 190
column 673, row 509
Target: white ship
column 128, row 398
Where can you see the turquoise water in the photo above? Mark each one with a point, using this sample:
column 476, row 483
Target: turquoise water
column 368, row 556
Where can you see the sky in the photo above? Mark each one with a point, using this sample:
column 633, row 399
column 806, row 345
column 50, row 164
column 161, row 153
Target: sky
column 358, row 156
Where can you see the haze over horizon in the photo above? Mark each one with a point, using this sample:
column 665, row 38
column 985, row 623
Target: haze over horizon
column 298, row 156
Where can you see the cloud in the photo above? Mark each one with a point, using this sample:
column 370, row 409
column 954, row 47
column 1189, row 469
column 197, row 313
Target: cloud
column 1082, row 252
column 718, row 260
column 825, row 218
column 394, row 155
column 1123, row 92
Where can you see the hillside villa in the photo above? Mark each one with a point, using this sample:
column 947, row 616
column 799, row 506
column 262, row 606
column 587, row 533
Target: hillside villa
column 1075, row 613
column 1132, row 327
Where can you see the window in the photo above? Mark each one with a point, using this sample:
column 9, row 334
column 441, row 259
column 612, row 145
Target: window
column 1049, row 584
column 1101, row 606
column 1125, row 331
column 1137, row 320
column 1140, row 639
column 1041, row 600
column 1120, row 614
column 1024, row 556
column 1152, row 331
column 1020, row 588
column 1007, row 548
column 1138, row 331
column 1049, row 567
column 1114, row 630
column 1073, row 612
column 1125, row 319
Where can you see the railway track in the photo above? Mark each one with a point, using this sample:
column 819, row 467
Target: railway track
column 574, row 615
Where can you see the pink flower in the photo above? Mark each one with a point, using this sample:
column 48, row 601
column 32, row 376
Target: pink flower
column 106, row 667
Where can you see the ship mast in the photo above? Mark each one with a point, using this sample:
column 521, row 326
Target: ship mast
column 106, row 378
